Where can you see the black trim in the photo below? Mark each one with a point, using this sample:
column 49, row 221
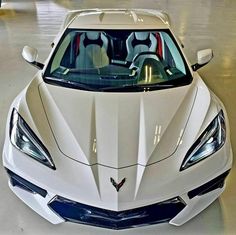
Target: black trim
column 17, row 181
column 197, row 66
column 38, row 65
column 84, row 214
column 216, row 183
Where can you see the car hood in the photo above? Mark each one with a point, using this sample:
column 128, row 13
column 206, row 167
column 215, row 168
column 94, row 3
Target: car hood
column 117, row 129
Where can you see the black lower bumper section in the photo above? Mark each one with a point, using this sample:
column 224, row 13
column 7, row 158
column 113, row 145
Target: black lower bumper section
column 84, row 214
column 18, row 181
column 217, row 182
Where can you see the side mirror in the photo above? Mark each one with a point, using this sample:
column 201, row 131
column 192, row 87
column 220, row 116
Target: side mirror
column 30, row 55
column 203, row 58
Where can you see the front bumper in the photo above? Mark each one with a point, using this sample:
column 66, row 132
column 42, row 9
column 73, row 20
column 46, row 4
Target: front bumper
column 59, row 195
column 59, row 209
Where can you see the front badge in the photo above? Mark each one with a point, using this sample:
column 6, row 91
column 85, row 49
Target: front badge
column 117, row 185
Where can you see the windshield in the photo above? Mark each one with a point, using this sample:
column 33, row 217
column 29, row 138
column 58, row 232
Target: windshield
column 116, row 60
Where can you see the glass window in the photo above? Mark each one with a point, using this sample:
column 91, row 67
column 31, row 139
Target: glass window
column 117, row 60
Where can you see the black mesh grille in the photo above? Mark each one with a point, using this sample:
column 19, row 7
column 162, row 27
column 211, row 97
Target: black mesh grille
column 84, row 214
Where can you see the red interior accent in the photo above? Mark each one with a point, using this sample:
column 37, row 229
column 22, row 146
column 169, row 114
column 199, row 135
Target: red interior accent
column 159, row 45
column 77, row 42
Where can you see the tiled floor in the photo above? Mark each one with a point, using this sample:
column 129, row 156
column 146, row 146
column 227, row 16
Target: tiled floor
column 200, row 24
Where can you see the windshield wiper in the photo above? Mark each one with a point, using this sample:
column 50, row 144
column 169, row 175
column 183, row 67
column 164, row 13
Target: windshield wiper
column 128, row 87
column 83, row 71
column 69, row 84
column 137, row 86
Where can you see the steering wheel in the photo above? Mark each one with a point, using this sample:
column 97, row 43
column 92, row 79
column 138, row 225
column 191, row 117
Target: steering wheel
column 144, row 53
column 136, row 69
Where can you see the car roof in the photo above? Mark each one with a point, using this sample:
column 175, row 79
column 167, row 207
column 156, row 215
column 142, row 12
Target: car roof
column 117, row 19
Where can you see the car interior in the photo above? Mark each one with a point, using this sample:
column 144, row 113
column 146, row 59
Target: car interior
column 117, row 57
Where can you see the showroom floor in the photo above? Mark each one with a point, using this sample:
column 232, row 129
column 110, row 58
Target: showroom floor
column 200, row 24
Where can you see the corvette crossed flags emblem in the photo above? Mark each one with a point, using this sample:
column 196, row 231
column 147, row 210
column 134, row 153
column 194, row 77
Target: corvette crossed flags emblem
column 117, row 185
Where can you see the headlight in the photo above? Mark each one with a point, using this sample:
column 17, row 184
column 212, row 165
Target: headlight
column 24, row 139
column 210, row 141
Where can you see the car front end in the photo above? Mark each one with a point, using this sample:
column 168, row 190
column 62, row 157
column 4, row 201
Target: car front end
column 117, row 156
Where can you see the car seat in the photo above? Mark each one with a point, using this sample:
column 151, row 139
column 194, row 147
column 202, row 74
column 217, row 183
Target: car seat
column 92, row 51
column 140, row 42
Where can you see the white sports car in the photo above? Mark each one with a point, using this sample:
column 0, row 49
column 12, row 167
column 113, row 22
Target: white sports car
column 117, row 129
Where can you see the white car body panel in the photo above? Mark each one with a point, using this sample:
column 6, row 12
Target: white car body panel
column 136, row 127
column 143, row 139
column 94, row 189
column 92, row 18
